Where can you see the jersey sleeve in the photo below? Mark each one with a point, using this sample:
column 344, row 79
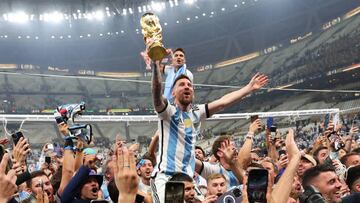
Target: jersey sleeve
column 167, row 111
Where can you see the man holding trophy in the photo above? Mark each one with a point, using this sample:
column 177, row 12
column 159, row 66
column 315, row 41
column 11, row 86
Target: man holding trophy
column 179, row 121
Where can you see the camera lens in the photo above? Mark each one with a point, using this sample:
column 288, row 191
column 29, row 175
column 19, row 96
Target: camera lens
column 237, row 192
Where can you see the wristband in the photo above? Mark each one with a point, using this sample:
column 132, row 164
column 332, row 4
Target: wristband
column 250, row 135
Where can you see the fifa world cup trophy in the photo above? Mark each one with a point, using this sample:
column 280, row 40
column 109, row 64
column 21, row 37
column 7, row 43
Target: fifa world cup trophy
column 151, row 29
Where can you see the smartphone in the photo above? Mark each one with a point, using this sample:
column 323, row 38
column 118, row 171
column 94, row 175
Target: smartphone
column 269, row 122
column 273, row 132
column 326, row 121
column 174, row 192
column 257, row 185
column 253, row 118
column 48, row 160
column 282, row 152
column 232, row 196
column 16, row 137
column 60, row 119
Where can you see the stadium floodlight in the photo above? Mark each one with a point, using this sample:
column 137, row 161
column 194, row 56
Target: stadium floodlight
column 54, row 17
column 176, row 3
column 156, row 6
column 131, row 11
column 18, row 17
column 171, row 3
column 190, row 2
column 124, row 12
column 139, row 9
column 98, row 15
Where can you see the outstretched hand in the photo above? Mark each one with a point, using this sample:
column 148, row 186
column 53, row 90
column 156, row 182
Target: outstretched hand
column 7, row 181
column 291, row 148
column 258, row 81
column 228, row 150
column 126, row 178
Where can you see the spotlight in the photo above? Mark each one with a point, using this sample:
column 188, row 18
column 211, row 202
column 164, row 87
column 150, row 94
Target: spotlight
column 156, row 6
column 52, row 37
column 98, row 15
column 18, row 17
column 190, row 2
column 139, row 9
column 54, row 17
column 69, row 36
column 124, row 12
column 89, row 35
column 28, row 37
column 131, row 11
column 122, row 31
column 36, row 37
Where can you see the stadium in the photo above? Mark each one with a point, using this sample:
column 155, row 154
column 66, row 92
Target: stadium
column 70, row 51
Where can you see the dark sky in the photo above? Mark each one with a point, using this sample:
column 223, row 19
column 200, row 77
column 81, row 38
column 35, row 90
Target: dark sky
column 226, row 34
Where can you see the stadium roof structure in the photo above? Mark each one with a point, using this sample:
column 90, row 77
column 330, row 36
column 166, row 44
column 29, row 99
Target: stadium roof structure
column 106, row 35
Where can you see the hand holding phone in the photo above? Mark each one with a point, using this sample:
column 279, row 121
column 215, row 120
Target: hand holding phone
column 174, row 192
column 257, row 185
column 16, row 137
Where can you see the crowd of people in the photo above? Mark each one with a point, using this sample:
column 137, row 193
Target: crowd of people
column 296, row 166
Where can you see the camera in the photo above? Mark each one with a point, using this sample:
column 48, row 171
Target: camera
column 81, row 131
column 311, row 195
column 68, row 111
column 231, row 196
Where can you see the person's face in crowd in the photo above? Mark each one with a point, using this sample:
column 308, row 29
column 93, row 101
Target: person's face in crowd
column 199, row 155
column 217, row 186
column 189, row 192
column 296, row 188
column 269, row 167
column 146, row 169
column 178, row 59
column 109, row 171
column 341, row 153
column 329, row 186
column 90, row 189
column 344, row 190
column 254, row 157
column 304, row 165
column 355, row 187
column 35, row 185
column 322, row 155
column 353, row 160
column 183, row 91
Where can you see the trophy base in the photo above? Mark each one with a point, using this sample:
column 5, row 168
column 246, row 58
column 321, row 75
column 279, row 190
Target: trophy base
column 157, row 53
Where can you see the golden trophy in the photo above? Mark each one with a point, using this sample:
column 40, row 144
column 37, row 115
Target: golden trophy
column 151, row 29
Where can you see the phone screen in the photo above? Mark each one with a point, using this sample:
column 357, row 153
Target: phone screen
column 257, row 185
column 48, row 159
column 269, row 122
column 174, row 192
column 16, row 137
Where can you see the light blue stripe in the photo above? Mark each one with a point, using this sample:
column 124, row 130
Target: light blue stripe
column 173, row 139
column 233, row 179
column 188, row 144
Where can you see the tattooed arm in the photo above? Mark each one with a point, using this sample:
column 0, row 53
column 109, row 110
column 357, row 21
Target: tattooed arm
column 159, row 100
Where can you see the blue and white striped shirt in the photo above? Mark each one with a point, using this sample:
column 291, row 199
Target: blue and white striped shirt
column 178, row 131
column 209, row 169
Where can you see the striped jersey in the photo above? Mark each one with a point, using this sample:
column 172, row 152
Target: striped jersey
column 178, row 131
column 209, row 169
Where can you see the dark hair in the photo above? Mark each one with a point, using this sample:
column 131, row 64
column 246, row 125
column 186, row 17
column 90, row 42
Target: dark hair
column 179, row 49
column 345, row 158
column 181, row 77
column 181, row 177
column 34, row 175
column 313, row 172
column 217, row 144
column 356, row 150
column 316, row 153
column 198, row 147
column 113, row 191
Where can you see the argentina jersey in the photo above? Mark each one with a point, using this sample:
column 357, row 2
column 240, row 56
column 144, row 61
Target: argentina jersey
column 178, row 131
column 209, row 169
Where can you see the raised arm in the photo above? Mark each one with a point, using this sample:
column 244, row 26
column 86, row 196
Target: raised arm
column 258, row 81
column 159, row 100
column 282, row 190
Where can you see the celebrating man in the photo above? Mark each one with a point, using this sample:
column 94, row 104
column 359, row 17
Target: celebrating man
column 179, row 123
